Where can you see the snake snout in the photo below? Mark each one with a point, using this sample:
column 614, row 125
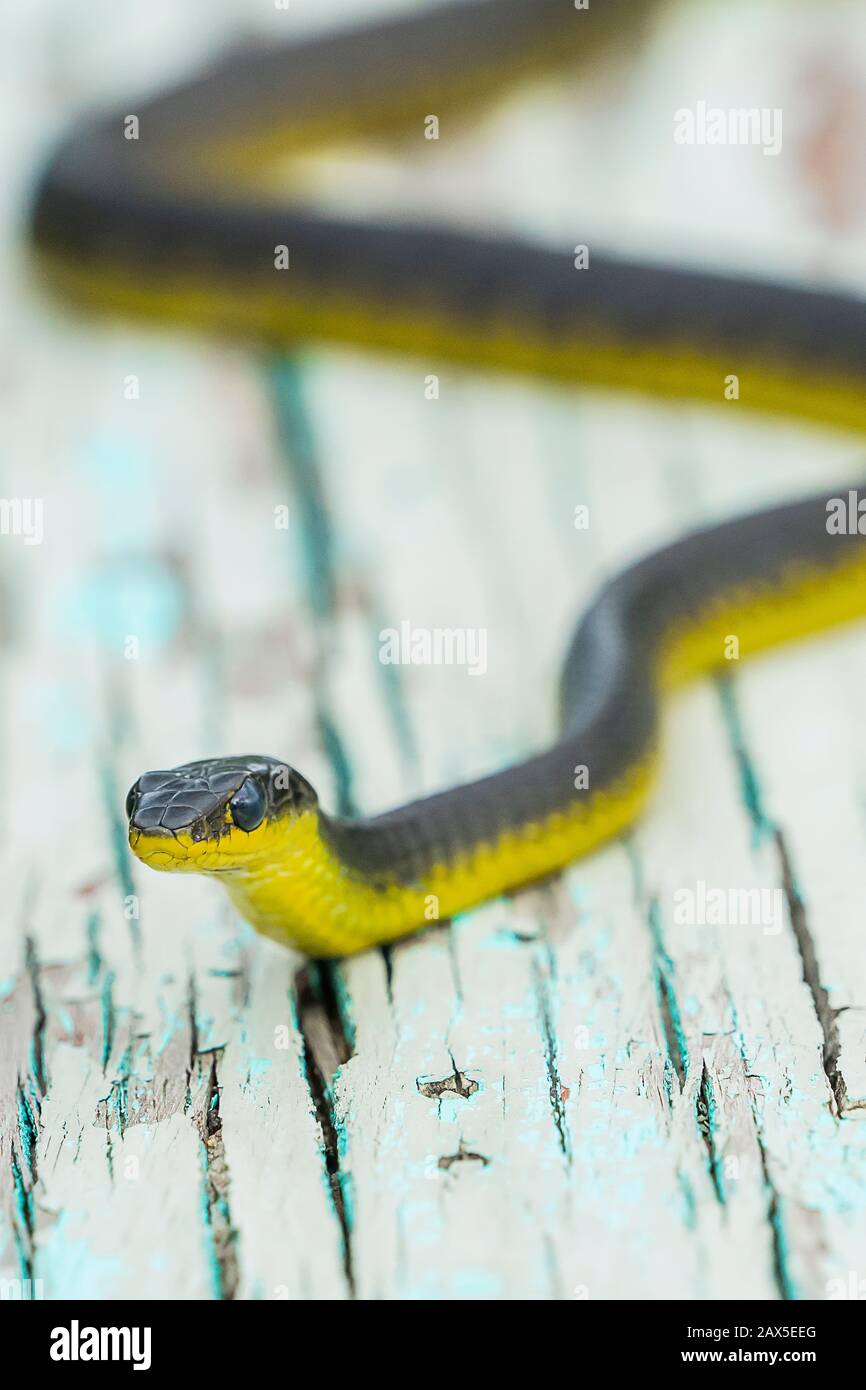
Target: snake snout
column 166, row 804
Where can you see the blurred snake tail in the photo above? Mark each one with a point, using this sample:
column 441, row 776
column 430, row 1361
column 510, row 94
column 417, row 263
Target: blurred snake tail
column 161, row 213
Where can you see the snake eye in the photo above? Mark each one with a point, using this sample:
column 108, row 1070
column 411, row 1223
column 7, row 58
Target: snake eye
column 130, row 799
column 248, row 805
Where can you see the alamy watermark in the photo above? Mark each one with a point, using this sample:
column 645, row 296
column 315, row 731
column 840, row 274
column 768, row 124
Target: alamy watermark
column 848, row 1286
column 22, row 516
column 735, row 125
column 703, row 906
column 846, row 516
column 434, row 646
column 21, row 1290
column 77, row 1343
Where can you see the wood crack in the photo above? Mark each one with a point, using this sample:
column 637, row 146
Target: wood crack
column 217, row 1183
column 705, row 1113
column 216, row 1177
column 669, row 1009
column 827, row 1016
column 781, row 1273
column 557, row 1092
column 327, row 1044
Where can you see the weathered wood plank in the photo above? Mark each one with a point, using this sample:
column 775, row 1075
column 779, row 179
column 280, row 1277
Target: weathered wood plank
column 574, row 1094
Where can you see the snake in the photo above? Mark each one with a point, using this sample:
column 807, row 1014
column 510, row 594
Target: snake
column 164, row 211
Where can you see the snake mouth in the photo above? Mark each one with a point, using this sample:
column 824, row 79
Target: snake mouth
column 162, row 849
column 173, row 852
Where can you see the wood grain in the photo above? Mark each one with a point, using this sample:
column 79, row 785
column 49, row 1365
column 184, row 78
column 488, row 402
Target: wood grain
column 567, row 1095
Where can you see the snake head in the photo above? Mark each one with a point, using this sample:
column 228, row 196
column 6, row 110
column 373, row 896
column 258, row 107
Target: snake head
column 213, row 816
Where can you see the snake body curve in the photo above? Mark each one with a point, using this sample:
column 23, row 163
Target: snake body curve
column 155, row 224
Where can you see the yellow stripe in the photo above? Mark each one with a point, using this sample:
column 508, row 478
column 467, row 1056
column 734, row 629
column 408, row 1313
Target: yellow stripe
column 680, row 372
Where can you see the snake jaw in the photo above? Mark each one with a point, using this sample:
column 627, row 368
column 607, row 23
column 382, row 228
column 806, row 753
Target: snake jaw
column 196, row 851
column 159, row 849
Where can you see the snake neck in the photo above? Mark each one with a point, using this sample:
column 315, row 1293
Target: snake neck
column 303, row 894
column 307, row 896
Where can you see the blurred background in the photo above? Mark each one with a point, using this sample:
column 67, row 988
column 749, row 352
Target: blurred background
column 166, row 616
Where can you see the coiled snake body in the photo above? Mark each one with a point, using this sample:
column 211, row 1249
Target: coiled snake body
column 154, row 224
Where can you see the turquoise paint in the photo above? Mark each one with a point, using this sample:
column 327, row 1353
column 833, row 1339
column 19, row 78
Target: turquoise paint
column 245, row 936
column 65, row 723
column 23, row 1208
column 630, row 1191
column 118, row 471
column 117, row 1101
column 107, row 1014
column 475, row 1284
column 129, row 591
column 137, row 597
column 601, row 943
column 392, row 686
column 690, row 1206
column 343, row 997
column 34, row 1076
column 668, row 1075
column 64, row 1020
column 25, row 1261
column 638, row 1136
column 344, row 1177
column 709, row 1129
column 514, row 1011
column 338, row 759
column 664, row 974
column 836, row 1193
column 170, row 1028
column 302, row 464
column 579, row 894
column 257, row 1070
column 762, row 826
column 94, row 959
column 28, row 1132
column 299, row 1051
column 113, row 801
column 451, row 1108
column 328, row 982
column 71, row 1268
column 317, row 550
column 208, row 1040
column 545, row 1014
column 211, row 1256
column 636, row 867
column 781, row 1252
